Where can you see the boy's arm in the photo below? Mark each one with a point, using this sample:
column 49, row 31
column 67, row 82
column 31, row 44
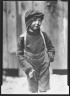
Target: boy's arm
column 20, row 54
column 50, row 47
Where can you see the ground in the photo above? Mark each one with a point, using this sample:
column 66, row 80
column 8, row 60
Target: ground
column 19, row 85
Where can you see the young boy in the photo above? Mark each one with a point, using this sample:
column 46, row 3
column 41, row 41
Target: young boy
column 35, row 52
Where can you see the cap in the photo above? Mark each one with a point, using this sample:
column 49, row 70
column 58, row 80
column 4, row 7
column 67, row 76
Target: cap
column 31, row 15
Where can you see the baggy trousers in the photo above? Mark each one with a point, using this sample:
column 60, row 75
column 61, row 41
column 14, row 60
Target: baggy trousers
column 40, row 63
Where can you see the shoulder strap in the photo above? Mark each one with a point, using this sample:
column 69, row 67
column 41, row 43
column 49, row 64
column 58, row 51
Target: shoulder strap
column 24, row 35
column 43, row 39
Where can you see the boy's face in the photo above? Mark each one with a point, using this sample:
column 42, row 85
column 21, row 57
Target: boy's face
column 36, row 24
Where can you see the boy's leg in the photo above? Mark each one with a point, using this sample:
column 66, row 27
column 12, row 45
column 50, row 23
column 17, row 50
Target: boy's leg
column 44, row 77
column 33, row 85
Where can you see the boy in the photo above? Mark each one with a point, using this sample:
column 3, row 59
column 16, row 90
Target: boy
column 35, row 52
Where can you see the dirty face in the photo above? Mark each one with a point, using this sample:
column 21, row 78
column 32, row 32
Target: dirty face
column 36, row 24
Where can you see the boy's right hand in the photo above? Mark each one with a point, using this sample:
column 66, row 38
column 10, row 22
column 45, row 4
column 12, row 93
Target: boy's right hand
column 32, row 73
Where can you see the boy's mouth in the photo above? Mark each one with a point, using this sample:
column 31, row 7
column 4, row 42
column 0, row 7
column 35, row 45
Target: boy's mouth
column 36, row 25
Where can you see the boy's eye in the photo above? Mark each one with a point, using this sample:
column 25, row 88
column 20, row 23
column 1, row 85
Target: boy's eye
column 38, row 20
column 35, row 19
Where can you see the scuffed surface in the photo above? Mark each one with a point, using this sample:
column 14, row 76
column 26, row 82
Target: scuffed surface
column 19, row 85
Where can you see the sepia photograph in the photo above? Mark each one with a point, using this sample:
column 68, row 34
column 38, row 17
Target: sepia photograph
column 35, row 47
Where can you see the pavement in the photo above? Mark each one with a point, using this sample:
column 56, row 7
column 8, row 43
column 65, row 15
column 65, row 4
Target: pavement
column 19, row 85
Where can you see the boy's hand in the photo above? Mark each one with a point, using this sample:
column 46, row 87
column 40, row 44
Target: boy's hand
column 51, row 56
column 32, row 73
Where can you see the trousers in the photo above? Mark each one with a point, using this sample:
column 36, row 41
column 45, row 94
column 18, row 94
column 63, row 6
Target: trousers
column 40, row 63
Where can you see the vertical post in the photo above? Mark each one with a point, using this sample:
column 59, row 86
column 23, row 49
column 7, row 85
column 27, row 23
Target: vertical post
column 16, row 17
column 18, row 21
column 18, row 30
column 7, row 34
column 32, row 4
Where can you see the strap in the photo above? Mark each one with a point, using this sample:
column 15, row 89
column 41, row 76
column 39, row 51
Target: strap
column 43, row 39
column 24, row 35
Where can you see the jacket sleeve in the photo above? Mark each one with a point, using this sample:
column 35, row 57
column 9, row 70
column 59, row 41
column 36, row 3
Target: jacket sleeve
column 50, row 47
column 20, row 54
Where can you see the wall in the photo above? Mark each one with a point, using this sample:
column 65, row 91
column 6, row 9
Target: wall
column 14, row 25
column 9, row 35
column 5, row 43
